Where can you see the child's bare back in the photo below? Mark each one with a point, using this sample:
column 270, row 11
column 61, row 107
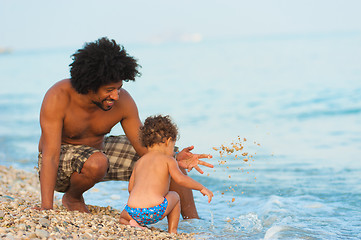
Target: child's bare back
column 150, row 180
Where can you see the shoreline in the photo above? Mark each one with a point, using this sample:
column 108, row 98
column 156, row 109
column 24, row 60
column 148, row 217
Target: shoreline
column 20, row 193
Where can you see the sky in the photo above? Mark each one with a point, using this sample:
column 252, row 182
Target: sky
column 54, row 24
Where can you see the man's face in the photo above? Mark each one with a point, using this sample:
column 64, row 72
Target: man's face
column 106, row 95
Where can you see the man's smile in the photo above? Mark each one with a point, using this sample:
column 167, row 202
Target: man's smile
column 110, row 103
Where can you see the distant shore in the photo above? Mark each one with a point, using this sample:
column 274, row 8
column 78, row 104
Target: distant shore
column 19, row 194
column 5, row 50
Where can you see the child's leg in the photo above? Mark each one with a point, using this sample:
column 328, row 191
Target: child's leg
column 173, row 211
column 126, row 219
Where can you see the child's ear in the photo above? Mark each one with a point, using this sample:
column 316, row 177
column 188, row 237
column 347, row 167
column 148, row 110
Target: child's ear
column 168, row 141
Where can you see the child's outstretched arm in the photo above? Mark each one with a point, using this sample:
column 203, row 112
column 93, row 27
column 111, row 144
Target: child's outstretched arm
column 209, row 193
column 185, row 180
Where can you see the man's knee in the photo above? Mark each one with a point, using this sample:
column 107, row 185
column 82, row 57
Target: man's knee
column 96, row 165
column 174, row 195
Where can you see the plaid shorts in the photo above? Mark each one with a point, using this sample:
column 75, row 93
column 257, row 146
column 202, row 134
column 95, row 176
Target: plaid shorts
column 121, row 156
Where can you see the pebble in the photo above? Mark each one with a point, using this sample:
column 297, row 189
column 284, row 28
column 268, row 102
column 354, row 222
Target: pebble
column 22, row 226
column 32, row 235
column 41, row 233
column 20, row 193
column 44, row 222
column 14, row 204
column 9, row 237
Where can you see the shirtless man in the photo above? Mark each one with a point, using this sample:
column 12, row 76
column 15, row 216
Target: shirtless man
column 77, row 113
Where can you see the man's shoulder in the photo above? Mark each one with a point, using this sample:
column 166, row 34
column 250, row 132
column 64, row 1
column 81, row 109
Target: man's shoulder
column 124, row 95
column 62, row 85
column 60, row 92
column 126, row 101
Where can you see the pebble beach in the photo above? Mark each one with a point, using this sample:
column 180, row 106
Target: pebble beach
column 20, row 194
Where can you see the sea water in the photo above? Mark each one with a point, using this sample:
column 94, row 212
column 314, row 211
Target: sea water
column 292, row 101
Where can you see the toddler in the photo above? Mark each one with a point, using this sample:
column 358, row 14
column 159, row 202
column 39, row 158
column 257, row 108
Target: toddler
column 149, row 197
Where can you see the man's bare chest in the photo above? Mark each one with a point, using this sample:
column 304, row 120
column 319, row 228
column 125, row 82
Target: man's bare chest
column 80, row 124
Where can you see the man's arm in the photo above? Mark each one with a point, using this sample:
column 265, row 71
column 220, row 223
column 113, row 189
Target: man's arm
column 131, row 122
column 51, row 122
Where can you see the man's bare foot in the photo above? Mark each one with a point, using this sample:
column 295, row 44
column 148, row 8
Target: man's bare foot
column 134, row 223
column 74, row 204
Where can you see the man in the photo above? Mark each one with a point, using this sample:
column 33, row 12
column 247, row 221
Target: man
column 77, row 113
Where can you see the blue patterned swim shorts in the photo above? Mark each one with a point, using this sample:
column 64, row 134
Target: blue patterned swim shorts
column 150, row 215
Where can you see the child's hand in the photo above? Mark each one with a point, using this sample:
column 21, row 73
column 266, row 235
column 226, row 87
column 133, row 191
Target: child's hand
column 206, row 191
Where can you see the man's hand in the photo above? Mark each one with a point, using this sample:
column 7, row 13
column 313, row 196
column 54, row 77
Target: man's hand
column 188, row 160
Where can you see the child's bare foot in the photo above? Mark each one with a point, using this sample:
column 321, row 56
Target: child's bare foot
column 74, row 204
column 134, row 223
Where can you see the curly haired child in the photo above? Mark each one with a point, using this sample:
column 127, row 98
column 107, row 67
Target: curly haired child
column 149, row 197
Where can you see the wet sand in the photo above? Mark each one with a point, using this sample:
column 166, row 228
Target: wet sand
column 20, row 193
